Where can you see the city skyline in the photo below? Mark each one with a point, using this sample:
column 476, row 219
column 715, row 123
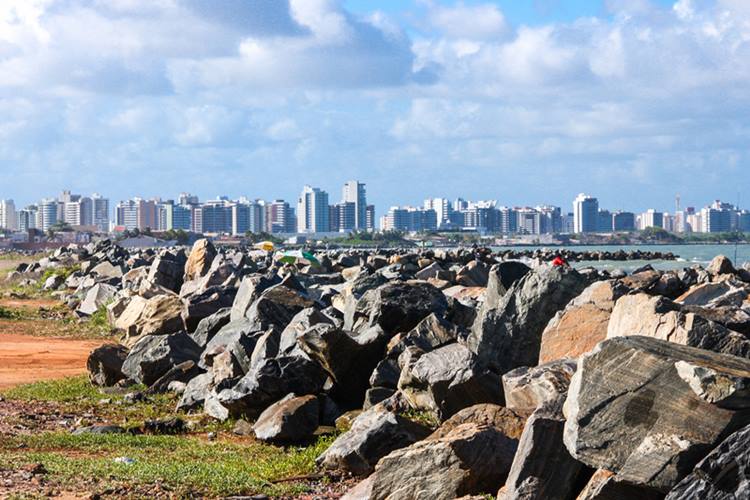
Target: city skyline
column 634, row 101
column 317, row 214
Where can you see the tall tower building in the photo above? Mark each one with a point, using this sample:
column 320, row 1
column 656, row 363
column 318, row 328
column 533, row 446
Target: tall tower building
column 100, row 212
column 355, row 192
column 8, row 215
column 312, row 211
column 47, row 215
column 585, row 214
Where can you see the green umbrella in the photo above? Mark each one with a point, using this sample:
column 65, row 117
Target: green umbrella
column 298, row 257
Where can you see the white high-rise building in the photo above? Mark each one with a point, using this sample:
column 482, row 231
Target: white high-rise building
column 8, row 215
column 355, row 192
column 48, row 214
column 79, row 212
column 312, row 211
column 585, row 214
column 442, row 207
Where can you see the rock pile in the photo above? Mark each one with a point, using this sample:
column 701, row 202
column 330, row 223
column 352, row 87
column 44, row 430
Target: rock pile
column 453, row 373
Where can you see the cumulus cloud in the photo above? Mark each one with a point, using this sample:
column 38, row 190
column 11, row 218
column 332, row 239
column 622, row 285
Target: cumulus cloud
column 642, row 94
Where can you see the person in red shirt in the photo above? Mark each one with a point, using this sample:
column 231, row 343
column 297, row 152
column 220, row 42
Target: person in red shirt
column 558, row 261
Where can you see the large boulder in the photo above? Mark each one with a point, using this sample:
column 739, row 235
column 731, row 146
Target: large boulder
column 721, row 265
column 249, row 291
column 373, row 434
column 202, row 305
column 717, row 294
column 658, row 317
column 447, row 380
column 501, row 278
column 723, row 474
column 396, row 307
column 270, row 381
column 649, row 410
column 231, row 348
column 582, row 324
column 300, row 323
column 159, row 315
column 470, row 459
column 154, row 355
column 509, row 336
column 529, row 388
column 209, row 326
column 104, row 364
column 200, row 259
column 166, row 271
column 542, row 467
column 605, row 485
column 96, row 297
column 290, row 420
column 475, row 273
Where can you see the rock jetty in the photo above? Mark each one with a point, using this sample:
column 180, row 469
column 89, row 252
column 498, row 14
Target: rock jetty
column 450, row 373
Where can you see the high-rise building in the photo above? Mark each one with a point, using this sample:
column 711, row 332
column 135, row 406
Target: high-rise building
column 100, row 215
column 343, row 217
column 147, row 214
column 8, row 215
column 79, row 211
column 551, row 219
column 508, row 220
column 355, row 192
column 279, row 217
column 312, row 211
column 585, row 214
column 27, row 218
column 623, row 221
column 410, row 219
column 187, row 199
column 604, row 221
column 528, row 221
column 126, row 214
column 48, row 214
column 443, row 208
column 652, row 218
column 370, row 223
column 216, row 217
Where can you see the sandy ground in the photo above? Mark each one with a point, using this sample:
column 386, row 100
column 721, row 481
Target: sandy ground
column 25, row 359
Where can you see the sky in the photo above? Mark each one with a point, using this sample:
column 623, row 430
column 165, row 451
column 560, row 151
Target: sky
column 524, row 102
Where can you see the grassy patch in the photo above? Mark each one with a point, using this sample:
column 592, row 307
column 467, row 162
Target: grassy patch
column 8, row 313
column 64, row 272
column 423, row 417
column 185, row 464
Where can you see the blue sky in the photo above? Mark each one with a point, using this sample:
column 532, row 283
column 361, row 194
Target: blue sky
column 525, row 102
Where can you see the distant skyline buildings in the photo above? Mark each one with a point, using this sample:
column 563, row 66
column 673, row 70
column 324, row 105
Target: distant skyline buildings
column 314, row 213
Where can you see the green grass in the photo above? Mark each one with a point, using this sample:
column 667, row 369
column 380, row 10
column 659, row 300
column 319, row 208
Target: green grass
column 186, row 464
column 65, row 272
column 6, row 313
column 73, row 389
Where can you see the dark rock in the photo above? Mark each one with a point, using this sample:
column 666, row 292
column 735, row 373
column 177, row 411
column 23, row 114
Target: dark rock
column 301, row 322
column 196, row 390
column 373, row 434
column 510, row 335
column 447, row 380
column 104, row 364
column 171, row 426
column 722, row 474
column 249, row 291
column 270, row 381
column 604, row 485
column 208, row 327
column 290, row 420
column 527, row 389
column 542, row 467
column 375, row 395
column 202, row 305
column 154, row 355
column 663, row 407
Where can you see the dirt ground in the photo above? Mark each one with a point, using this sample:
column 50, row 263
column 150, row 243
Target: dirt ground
column 25, row 359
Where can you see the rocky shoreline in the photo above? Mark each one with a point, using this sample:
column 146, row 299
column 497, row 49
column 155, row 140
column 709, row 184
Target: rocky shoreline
column 544, row 382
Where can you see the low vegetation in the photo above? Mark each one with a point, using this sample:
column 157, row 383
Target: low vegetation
column 183, row 465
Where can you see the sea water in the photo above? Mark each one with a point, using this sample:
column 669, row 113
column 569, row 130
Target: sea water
column 688, row 255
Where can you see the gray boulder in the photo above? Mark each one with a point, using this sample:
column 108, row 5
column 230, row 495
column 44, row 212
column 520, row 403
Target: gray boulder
column 104, row 364
column 154, row 355
column 470, row 459
column 97, row 296
column 270, row 381
column 722, row 475
column 509, row 335
column 249, row 291
column 373, row 434
column 202, row 305
column 209, row 326
column 447, row 380
column 542, row 467
column 527, row 389
column 290, row 420
column 662, row 407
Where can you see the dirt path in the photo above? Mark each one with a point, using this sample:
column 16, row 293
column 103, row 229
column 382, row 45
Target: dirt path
column 25, row 359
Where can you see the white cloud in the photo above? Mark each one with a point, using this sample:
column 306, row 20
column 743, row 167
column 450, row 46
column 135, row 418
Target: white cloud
column 484, row 21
